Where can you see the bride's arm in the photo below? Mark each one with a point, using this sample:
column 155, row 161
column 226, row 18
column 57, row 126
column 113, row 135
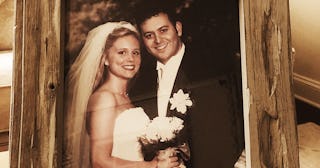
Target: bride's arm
column 101, row 120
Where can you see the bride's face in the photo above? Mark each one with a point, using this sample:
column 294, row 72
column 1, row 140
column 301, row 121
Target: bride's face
column 123, row 59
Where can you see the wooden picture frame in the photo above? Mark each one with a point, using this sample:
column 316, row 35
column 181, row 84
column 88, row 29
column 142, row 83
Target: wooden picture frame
column 270, row 119
column 36, row 126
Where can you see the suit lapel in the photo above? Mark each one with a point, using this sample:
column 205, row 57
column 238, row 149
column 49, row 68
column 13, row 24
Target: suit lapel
column 181, row 82
column 146, row 88
column 153, row 112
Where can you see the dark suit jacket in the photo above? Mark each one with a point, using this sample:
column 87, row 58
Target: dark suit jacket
column 210, row 122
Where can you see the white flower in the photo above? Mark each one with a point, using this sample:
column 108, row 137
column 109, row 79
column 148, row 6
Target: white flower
column 151, row 133
column 180, row 101
column 162, row 129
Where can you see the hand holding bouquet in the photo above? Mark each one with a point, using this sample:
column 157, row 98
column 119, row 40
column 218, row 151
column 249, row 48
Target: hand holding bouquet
column 163, row 137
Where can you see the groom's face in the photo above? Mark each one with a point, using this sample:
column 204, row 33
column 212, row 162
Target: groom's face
column 161, row 37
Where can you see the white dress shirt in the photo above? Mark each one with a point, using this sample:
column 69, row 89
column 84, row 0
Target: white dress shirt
column 166, row 76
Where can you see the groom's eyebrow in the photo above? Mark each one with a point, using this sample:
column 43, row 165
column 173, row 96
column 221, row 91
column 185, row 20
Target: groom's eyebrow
column 148, row 32
column 165, row 26
column 161, row 27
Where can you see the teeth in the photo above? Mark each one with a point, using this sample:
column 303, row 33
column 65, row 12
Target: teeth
column 161, row 47
column 129, row 67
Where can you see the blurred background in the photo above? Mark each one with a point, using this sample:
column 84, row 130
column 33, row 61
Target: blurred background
column 6, row 60
column 211, row 27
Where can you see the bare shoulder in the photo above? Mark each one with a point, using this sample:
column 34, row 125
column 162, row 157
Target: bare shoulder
column 101, row 100
column 101, row 113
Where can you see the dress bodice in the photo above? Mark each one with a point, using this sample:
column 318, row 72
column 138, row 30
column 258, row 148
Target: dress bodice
column 129, row 124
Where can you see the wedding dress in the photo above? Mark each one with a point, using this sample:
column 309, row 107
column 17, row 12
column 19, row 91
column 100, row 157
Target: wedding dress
column 129, row 125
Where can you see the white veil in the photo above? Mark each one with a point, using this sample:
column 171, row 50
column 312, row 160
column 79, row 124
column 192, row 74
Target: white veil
column 81, row 81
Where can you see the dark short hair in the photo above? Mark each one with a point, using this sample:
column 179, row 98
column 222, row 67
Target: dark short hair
column 148, row 8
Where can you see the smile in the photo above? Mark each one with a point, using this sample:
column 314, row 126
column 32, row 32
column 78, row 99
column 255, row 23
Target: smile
column 129, row 67
column 160, row 47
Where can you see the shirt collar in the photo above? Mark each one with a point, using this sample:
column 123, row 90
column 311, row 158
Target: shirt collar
column 172, row 61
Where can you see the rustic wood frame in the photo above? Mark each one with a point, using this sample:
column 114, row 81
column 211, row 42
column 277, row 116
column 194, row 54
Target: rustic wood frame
column 270, row 119
column 37, row 106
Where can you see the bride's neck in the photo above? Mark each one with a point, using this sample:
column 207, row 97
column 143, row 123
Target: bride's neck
column 117, row 85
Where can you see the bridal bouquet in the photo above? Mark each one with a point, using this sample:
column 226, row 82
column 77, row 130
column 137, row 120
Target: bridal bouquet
column 164, row 137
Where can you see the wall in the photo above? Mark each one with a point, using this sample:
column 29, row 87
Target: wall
column 305, row 28
column 5, row 89
column 7, row 22
column 6, row 43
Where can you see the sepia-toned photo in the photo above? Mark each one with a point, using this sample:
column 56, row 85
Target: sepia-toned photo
column 159, row 84
column 154, row 84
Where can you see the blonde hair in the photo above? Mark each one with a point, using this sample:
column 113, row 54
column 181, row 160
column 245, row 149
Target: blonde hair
column 113, row 36
column 84, row 76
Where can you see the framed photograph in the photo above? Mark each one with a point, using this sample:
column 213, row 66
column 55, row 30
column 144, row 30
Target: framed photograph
column 210, row 73
column 229, row 79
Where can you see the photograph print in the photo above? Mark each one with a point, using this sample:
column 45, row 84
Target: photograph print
column 152, row 84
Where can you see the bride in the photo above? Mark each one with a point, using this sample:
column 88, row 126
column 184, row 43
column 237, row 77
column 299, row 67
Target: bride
column 98, row 81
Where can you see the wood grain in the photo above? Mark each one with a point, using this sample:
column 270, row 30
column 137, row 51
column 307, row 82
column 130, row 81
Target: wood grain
column 272, row 122
column 38, row 85
column 4, row 117
column 4, row 107
column 4, row 140
column 16, row 106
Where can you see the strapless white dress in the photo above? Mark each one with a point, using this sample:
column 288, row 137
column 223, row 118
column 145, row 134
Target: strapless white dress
column 129, row 125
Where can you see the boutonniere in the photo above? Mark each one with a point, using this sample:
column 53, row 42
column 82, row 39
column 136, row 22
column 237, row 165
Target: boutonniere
column 180, row 101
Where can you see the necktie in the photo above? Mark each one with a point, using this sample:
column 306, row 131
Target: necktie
column 161, row 94
column 160, row 74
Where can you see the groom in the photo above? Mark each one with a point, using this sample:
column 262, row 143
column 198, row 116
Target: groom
column 175, row 67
